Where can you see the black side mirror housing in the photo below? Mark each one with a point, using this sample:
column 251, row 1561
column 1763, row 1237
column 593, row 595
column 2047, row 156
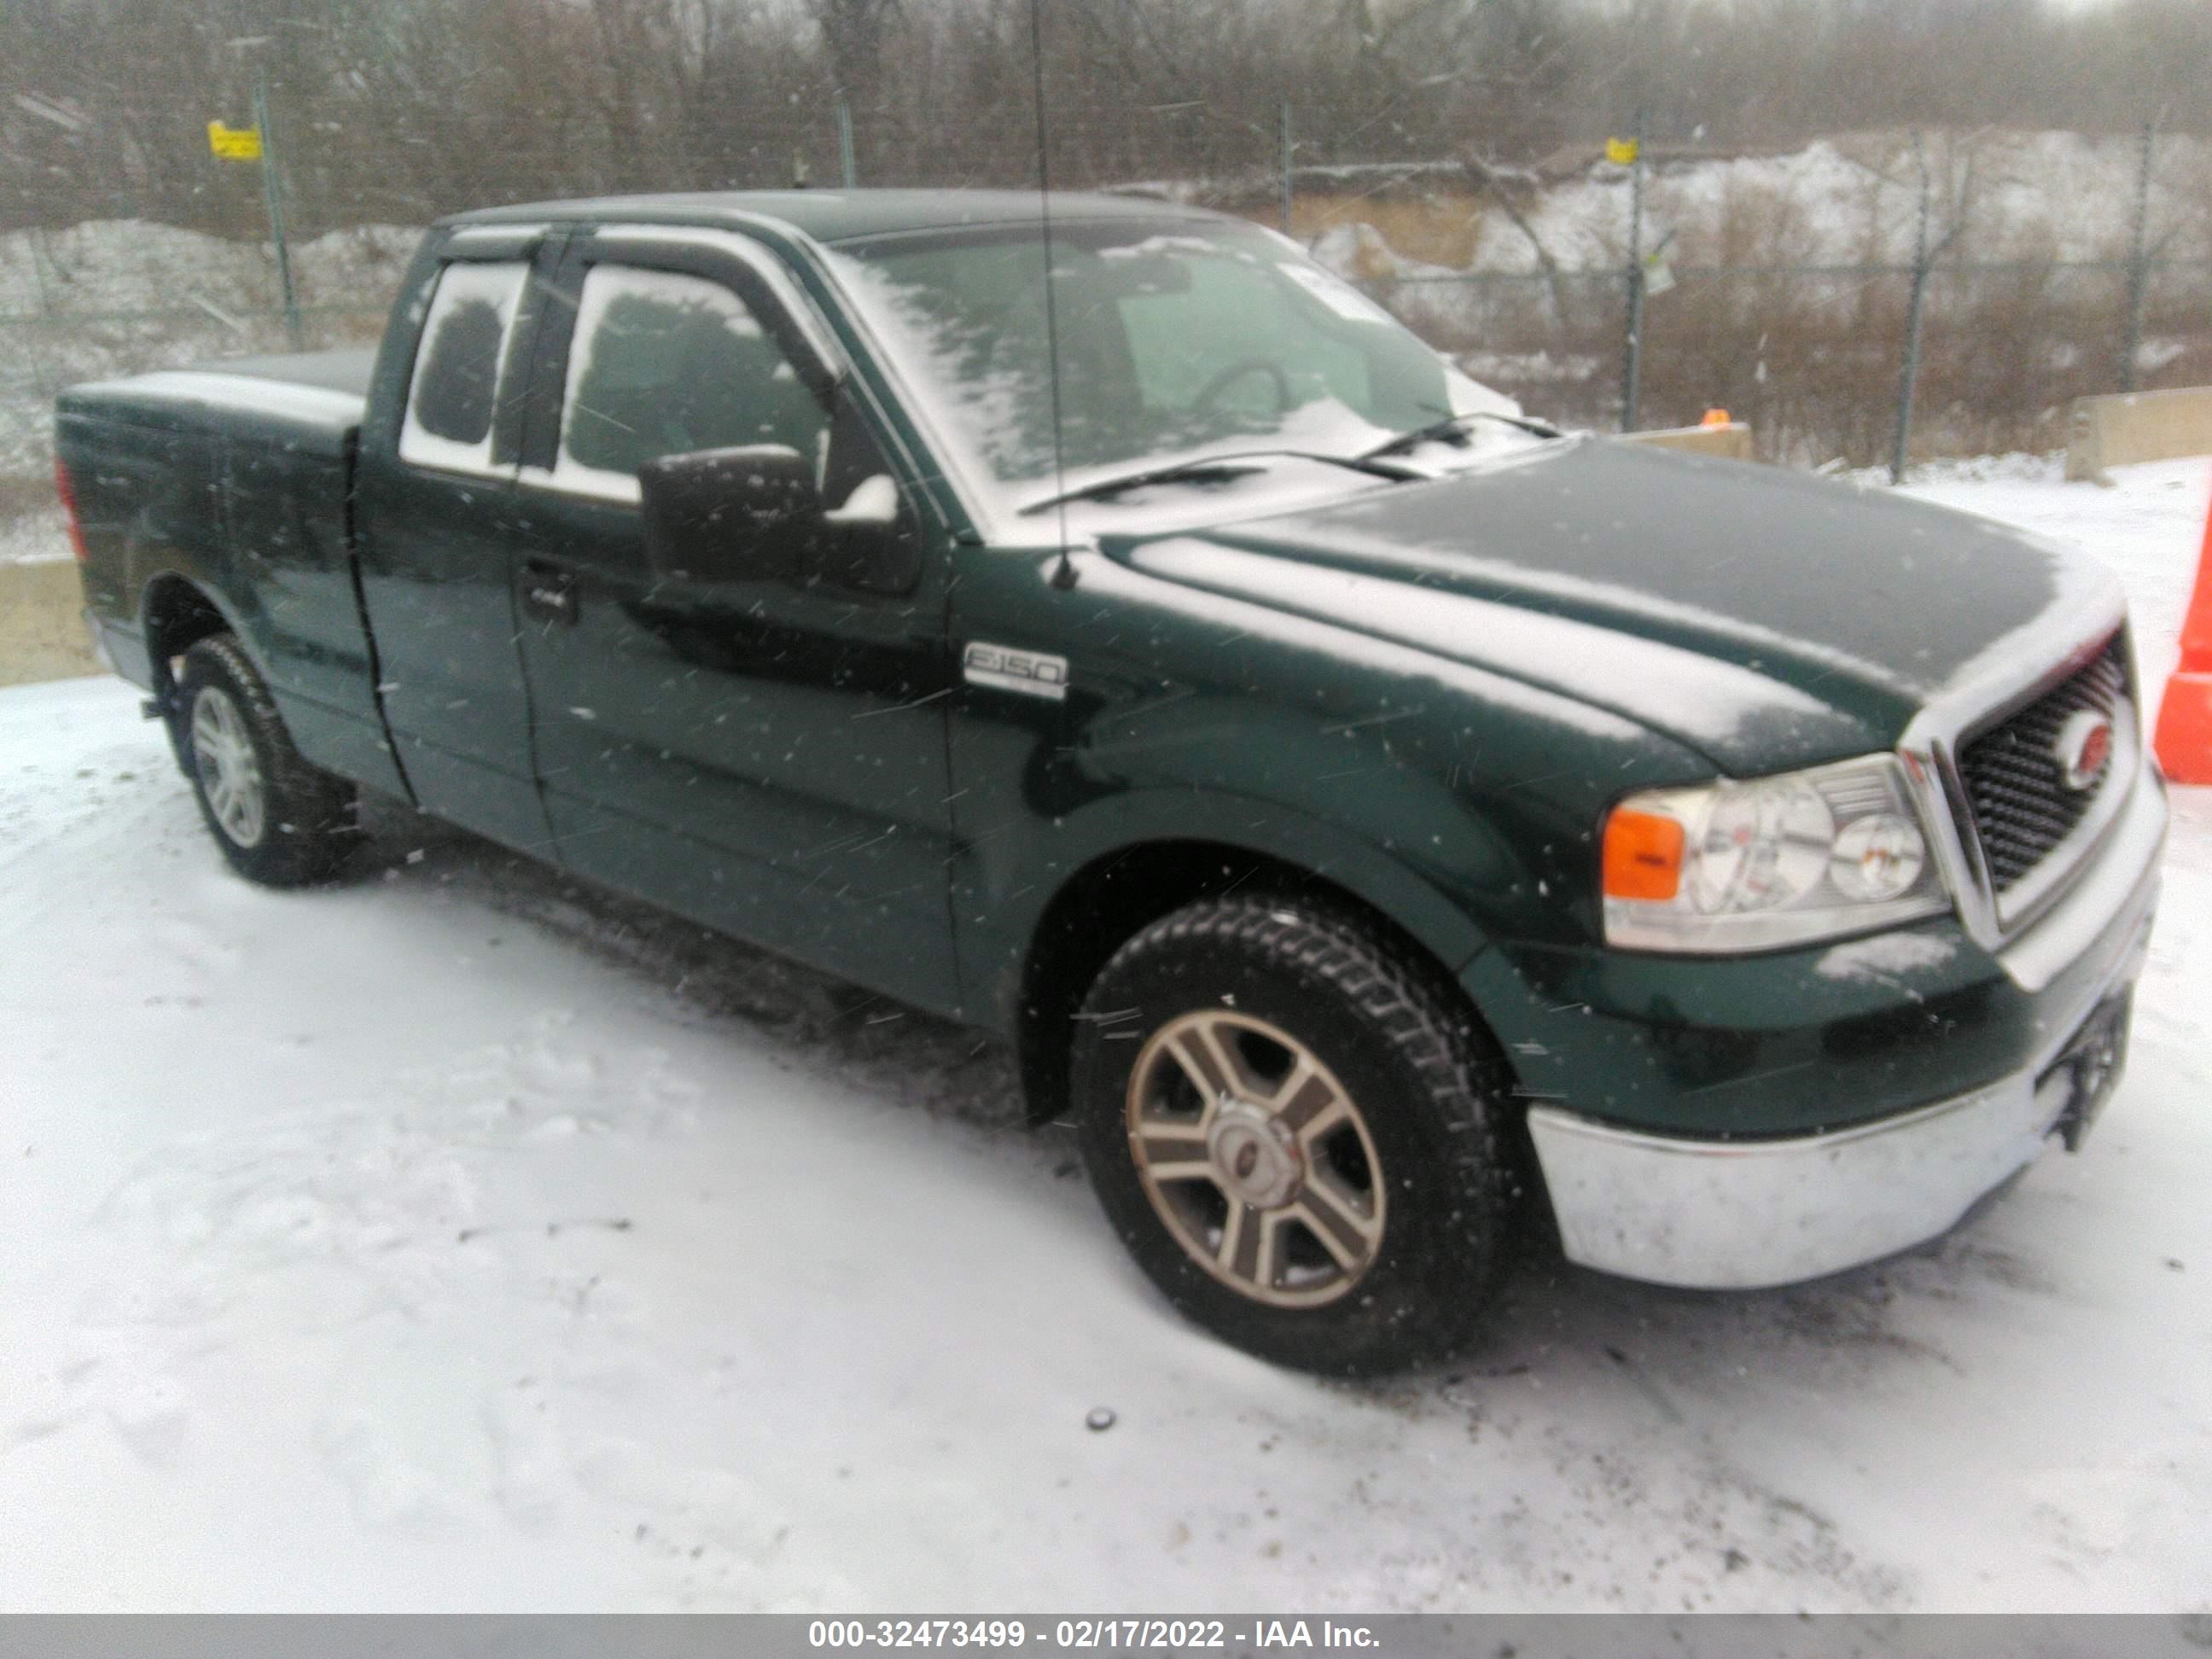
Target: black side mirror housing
column 717, row 516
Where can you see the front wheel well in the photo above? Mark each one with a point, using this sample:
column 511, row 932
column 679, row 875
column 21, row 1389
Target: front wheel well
column 1111, row 900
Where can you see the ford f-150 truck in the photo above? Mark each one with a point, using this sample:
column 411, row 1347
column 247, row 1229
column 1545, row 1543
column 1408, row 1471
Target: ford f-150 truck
column 1378, row 819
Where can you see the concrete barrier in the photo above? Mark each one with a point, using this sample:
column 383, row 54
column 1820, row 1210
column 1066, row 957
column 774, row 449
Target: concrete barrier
column 2137, row 426
column 1731, row 442
column 42, row 633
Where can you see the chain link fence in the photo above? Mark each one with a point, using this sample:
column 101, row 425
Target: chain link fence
column 1819, row 358
column 1814, row 357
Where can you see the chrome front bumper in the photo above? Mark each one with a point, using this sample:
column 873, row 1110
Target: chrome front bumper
column 1739, row 1215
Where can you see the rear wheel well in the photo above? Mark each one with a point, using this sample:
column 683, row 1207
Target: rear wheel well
column 1111, row 900
column 177, row 616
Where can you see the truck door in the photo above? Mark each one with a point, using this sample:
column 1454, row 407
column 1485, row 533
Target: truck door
column 768, row 756
column 436, row 515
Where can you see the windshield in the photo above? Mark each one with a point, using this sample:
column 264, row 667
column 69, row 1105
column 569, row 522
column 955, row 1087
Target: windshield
column 1177, row 340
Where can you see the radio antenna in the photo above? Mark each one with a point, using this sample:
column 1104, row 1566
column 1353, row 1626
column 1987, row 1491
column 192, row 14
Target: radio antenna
column 1063, row 573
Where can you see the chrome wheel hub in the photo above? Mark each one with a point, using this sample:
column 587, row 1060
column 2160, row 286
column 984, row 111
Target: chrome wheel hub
column 1256, row 1159
column 1255, row 1155
column 229, row 770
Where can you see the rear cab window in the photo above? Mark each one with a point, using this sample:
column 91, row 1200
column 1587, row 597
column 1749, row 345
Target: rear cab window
column 459, row 367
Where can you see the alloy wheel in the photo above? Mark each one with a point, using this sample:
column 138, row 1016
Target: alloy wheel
column 1256, row 1157
column 229, row 770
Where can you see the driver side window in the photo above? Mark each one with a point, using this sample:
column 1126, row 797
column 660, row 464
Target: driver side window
column 663, row 363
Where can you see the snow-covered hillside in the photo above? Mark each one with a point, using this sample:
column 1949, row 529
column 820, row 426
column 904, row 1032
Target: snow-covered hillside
column 123, row 296
column 2058, row 196
column 1788, row 299
column 126, row 296
column 96, row 269
column 459, row 1239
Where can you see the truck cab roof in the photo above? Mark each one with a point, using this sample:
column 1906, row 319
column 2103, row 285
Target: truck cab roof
column 833, row 216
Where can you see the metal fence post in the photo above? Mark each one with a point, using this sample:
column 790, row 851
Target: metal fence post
column 1286, row 167
column 1909, row 378
column 846, row 163
column 274, row 191
column 1632, row 373
column 2138, row 260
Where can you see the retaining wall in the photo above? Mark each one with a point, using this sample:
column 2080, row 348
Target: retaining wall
column 2137, row 425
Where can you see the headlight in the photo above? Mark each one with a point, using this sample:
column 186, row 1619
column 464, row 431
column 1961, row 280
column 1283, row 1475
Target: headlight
column 1775, row 861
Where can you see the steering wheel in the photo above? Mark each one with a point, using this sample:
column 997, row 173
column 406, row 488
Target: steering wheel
column 1211, row 391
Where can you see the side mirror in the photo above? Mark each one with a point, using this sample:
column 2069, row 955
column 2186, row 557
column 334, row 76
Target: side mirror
column 748, row 514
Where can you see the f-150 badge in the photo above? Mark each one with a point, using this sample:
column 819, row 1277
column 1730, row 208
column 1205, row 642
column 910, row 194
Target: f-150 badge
column 1033, row 673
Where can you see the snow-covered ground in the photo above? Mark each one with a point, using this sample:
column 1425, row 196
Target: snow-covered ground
column 456, row 1239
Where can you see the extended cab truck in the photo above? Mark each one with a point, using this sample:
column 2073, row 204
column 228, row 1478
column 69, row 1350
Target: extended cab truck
column 1363, row 807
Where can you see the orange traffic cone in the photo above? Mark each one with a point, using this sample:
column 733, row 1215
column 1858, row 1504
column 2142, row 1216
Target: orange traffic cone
column 2184, row 720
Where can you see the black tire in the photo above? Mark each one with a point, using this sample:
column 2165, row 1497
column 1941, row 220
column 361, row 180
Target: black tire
column 307, row 825
column 180, row 737
column 1428, row 1087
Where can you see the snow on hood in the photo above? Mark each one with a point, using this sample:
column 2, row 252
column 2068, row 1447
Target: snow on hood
column 1767, row 619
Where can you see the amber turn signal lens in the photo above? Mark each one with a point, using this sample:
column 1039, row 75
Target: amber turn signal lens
column 1642, row 855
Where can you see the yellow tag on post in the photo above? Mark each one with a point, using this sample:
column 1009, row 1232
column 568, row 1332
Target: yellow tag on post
column 234, row 144
column 1621, row 152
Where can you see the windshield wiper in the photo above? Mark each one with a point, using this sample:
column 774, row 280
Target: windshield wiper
column 1448, row 426
column 1210, row 466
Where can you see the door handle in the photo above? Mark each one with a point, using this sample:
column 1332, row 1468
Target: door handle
column 548, row 592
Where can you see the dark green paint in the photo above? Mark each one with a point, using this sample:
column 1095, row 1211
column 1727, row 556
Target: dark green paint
column 805, row 766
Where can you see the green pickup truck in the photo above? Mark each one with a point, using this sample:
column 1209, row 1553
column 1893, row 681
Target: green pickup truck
column 1379, row 820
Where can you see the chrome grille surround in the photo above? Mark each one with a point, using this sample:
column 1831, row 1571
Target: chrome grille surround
column 2036, row 661
column 2027, row 822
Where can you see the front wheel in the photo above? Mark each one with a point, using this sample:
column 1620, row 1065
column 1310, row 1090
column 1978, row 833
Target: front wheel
column 1298, row 1134
column 279, row 820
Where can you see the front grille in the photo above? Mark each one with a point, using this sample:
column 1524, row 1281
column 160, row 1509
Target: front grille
column 2015, row 783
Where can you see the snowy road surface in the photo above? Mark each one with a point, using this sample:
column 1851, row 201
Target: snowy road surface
column 455, row 1240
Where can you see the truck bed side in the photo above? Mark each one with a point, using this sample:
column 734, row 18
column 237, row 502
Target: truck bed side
column 225, row 491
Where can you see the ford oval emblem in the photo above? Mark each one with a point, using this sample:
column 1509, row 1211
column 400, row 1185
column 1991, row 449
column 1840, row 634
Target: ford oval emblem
column 2082, row 749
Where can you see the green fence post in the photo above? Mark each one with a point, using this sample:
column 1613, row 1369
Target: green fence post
column 847, row 164
column 2138, row 260
column 275, row 191
column 1631, row 374
column 1909, row 376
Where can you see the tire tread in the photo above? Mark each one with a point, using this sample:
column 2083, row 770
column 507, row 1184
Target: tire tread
column 312, row 824
column 1463, row 1078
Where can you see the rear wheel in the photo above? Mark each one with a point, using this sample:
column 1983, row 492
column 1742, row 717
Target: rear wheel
column 279, row 820
column 1298, row 1134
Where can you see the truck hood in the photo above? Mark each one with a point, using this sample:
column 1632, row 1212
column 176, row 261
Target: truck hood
column 1766, row 619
